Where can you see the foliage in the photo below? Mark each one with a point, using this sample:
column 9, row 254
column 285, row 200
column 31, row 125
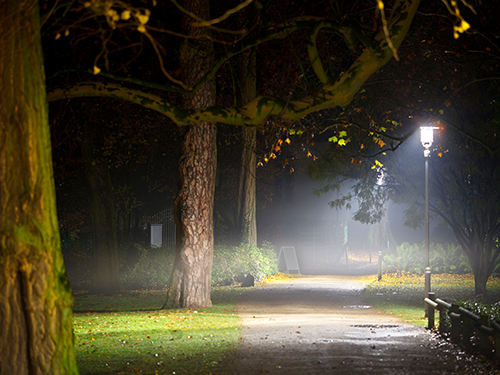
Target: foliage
column 444, row 258
column 480, row 308
column 182, row 341
column 152, row 270
column 230, row 265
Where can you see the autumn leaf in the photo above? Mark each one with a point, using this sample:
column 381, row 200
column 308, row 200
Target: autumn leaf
column 287, row 140
column 277, row 148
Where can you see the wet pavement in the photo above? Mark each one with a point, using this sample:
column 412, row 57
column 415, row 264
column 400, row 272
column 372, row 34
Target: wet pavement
column 321, row 325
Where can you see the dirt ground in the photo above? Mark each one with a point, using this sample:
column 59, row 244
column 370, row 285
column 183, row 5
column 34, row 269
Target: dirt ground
column 320, row 325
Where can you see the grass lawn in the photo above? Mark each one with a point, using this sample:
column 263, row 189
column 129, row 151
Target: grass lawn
column 129, row 334
column 402, row 294
column 134, row 336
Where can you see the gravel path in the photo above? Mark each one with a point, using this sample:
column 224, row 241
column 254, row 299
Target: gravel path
column 320, row 325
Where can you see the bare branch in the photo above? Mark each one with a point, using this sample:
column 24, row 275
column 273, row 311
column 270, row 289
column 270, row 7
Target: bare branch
column 224, row 16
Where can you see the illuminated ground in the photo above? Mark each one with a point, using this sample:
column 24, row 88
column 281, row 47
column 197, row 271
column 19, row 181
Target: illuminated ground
column 320, row 325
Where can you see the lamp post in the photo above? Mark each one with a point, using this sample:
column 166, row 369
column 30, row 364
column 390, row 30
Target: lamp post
column 426, row 138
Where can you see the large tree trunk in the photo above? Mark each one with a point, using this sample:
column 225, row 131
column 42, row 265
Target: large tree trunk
column 105, row 266
column 193, row 209
column 35, row 295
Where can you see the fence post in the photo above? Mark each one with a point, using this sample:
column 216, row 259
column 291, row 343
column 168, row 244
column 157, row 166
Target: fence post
column 496, row 328
column 467, row 330
column 430, row 309
column 455, row 323
column 442, row 320
column 483, row 336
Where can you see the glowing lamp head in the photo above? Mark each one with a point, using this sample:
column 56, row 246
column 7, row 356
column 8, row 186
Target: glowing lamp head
column 426, row 136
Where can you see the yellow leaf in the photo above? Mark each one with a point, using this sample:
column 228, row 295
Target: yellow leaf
column 308, row 153
column 125, row 15
column 259, row 164
column 362, row 146
column 58, row 35
column 96, row 70
column 143, row 18
column 66, row 33
column 287, row 140
column 273, row 155
column 141, row 28
column 440, row 154
column 280, row 142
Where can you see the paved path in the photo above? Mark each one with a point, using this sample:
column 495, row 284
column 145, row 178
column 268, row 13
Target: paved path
column 320, row 325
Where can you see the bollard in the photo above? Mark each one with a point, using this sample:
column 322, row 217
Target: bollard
column 379, row 265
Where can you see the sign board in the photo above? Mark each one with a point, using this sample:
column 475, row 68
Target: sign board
column 157, row 234
column 291, row 262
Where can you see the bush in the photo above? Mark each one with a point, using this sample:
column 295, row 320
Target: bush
column 445, row 258
column 152, row 270
column 230, row 265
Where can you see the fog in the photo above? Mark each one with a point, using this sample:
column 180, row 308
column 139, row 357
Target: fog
column 319, row 233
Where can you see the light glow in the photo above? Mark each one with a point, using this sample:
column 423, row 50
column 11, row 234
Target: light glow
column 427, row 136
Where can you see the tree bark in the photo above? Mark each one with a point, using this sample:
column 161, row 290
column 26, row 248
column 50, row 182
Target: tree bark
column 102, row 212
column 190, row 283
column 35, row 295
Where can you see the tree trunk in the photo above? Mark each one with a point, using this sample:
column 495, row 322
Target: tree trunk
column 191, row 278
column 247, row 205
column 480, row 280
column 35, row 295
column 105, row 266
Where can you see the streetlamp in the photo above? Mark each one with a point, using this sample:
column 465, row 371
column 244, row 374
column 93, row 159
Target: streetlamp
column 426, row 137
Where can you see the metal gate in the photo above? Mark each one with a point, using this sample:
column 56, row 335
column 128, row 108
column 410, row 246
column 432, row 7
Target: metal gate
column 166, row 219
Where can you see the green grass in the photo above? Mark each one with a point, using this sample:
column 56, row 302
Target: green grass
column 402, row 294
column 113, row 336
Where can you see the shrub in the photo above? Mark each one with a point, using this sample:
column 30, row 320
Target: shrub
column 152, row 270
column 230, row 264
column 445, row 258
